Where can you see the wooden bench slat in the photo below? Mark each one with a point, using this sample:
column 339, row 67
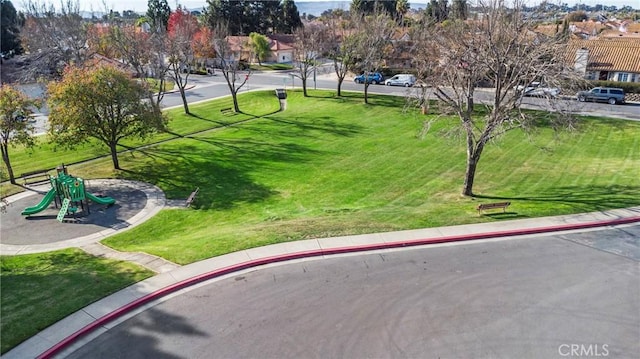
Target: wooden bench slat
column 484, row 206
column 44, row 175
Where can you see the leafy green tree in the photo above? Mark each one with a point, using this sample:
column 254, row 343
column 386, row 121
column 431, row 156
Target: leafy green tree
column 15, row 108
column 246, row 16
column 100, row 102
column 459, row 10
column 375, row 6
column 438, row 10
column 260, row 45
column 158, row 12
column 10, row 24
column 291, row 18
column 402, row 6
column 228, row 12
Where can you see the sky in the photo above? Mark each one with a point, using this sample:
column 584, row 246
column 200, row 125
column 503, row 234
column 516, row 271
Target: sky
column 141, row 5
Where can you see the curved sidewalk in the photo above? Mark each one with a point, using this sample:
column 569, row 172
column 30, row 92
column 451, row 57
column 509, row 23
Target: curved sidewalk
column 77, row 329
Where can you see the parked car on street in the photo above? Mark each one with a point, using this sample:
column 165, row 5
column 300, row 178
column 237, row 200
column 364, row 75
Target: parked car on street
column 372, row 78
column 405, row 80
column 610, row 95
column 537, row 89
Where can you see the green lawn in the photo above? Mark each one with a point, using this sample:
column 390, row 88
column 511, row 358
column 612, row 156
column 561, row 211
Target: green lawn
column 326, row 166
column 39, row 289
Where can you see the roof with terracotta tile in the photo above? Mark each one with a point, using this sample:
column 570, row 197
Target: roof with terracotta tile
column 608, row 54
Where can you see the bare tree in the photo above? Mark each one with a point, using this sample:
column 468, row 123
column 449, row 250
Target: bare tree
column 341, row 46
column 310, row 43
column 228, row 59
column 373, row 35
column 53, row 38
column 158, row 66
column 181, row 31
column 500, row 49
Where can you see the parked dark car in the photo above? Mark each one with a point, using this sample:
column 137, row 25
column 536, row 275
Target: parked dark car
column 610, row 95
column 372, row 78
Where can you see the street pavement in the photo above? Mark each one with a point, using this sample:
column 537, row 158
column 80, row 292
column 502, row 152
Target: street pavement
column 75, row 331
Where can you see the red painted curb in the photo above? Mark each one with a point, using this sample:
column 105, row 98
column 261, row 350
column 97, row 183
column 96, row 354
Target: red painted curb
column 56, row 349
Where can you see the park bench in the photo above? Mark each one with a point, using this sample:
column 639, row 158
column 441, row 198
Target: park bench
column 192, row 197
column 485, row 206
column 35, row 176
column 227, row 111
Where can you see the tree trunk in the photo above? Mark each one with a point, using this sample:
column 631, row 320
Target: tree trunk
column 473, row 157
column 469, row 177
column 366, row 92
column 114, row 156
column 184, row 100
column 7, row 162
column 340, row 79
column 304, row 87
column 234, row 96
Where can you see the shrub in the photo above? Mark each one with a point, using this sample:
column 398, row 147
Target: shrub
column 628, row 87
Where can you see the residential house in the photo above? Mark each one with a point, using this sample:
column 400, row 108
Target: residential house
column 282, row 48
column 608, row 59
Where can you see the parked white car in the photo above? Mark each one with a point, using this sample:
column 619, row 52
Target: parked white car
column 536, row 89
column 405, row 80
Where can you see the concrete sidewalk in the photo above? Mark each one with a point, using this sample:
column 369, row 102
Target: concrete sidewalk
column 79, row 328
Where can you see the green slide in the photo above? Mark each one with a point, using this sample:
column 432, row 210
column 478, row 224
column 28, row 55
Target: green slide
column 44, row 204
column 101, row 200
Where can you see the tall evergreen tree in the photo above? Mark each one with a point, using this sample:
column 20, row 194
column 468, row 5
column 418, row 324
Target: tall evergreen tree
column 246, row 16
column 371, row 6
column 291, row 19
column 438, row 10
column 10, row 28
column 158, row 12
column 459, row 10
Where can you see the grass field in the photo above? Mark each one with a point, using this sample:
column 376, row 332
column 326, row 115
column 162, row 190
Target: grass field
column 333, row 166
column 328, row 167
column 40, row 289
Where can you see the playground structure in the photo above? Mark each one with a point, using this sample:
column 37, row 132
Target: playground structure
column 69, row 193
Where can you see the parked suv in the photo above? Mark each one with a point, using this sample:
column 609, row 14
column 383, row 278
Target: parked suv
column 602, row 94
column 405, row 80
column 373, row 77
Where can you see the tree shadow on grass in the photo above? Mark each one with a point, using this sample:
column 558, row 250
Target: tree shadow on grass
column 322, row 124
column 593, row 198
column 223, row 178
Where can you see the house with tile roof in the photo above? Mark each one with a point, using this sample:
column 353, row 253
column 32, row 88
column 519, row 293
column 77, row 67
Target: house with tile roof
column 606, row 58
column 282, row 48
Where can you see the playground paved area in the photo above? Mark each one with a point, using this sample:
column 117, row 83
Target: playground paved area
column 135, row 202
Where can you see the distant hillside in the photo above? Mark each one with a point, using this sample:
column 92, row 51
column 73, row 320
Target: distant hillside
column 318, row 7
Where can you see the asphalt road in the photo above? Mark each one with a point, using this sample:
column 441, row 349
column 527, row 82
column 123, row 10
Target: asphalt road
column 535, row 297
column 207, row 87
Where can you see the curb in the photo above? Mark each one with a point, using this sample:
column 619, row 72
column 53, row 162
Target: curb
column 60, row 346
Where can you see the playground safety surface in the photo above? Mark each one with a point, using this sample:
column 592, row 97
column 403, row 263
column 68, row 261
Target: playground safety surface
column 44, row 228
